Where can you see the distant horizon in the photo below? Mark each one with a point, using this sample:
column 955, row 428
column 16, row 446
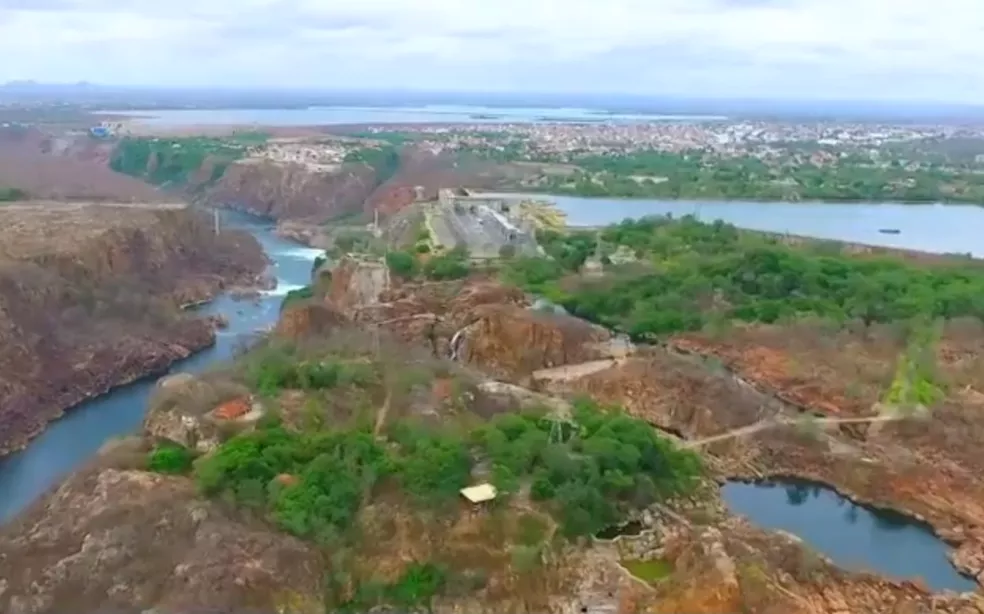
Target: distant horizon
column 151, row 97
column 509, row 94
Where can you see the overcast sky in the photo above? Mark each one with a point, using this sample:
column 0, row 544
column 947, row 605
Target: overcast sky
column 847, row 49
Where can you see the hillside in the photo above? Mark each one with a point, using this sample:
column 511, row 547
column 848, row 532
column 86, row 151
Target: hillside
column 321, row 471
column 308, row 179
column 28, row 164
column 89, row 299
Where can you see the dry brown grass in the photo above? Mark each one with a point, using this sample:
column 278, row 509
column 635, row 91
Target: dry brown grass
column 51, row 177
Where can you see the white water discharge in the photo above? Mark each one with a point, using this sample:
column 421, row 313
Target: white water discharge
column 282, row 289
column 303, row 253
column 455, row 340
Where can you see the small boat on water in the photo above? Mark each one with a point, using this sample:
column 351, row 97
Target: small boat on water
column 889, row 231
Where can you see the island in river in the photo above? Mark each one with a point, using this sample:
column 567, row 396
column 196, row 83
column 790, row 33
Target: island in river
column 322, row 469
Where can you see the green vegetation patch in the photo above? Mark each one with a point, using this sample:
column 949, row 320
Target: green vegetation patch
column 651, row 571
column 416, row 588
column 272, row 369
column 296, row 296
column 170, row 458
column 174, row 161
column 453, row 264
column 385, row 160
column 795, row 172
column 12, row 194
column 691, row 274
column 589, row 473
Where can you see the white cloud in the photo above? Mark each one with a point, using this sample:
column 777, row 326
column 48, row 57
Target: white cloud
column 830, row 48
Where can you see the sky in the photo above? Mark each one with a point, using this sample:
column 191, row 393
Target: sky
column 906, row 50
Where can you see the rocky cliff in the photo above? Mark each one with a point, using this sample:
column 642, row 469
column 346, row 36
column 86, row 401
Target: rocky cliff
column 310, row 195
column 90, row 296
column 292, row 191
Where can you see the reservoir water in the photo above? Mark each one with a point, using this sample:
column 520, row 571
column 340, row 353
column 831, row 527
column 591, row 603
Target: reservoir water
column 70, row 441
column 931, row 228
column 853, row 536
column 429, row 114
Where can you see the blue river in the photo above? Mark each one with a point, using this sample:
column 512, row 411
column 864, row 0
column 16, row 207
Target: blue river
column 69, row 442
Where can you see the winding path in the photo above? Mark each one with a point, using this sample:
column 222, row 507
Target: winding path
column 765, row 424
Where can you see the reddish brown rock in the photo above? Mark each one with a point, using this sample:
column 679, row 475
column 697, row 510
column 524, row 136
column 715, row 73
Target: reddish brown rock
column 232, row 409
column 308, row 319
column 511, row 342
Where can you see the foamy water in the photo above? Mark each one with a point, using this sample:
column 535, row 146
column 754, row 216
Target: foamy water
column 282, row 289
column 302, row 253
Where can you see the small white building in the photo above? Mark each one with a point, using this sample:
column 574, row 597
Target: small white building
column 480, row 494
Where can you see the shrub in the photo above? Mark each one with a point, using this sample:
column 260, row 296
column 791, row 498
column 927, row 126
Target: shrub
column 170, row 458
column 294, row 296
column 402, row 264
column 507, row 251
column 452, row 265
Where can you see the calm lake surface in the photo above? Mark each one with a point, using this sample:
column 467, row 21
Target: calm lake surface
column 930, row 228
column 70, row 441
column 852, row 536
column 430, row 114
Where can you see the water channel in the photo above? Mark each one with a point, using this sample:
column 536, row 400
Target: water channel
column 70, row 441
column 851, row 535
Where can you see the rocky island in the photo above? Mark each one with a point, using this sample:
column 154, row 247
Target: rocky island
column 323, row 470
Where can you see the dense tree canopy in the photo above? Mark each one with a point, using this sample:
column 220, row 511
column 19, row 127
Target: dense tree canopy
column 173, row 161
column 589, row 471
column 689, row 273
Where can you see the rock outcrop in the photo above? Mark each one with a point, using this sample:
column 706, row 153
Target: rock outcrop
column 112, row 539
column 512, row 342
column 477, row 321
column 90, row 296
column 291, row 191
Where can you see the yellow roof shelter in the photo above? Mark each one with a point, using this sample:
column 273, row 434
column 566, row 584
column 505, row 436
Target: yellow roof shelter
column 479, row 493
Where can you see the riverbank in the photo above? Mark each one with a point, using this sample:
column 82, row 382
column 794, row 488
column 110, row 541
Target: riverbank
column 67, row 442
column 90, row 301
column 157, row 367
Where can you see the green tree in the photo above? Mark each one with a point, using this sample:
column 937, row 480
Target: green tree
column 402, row 264
column 170, row 458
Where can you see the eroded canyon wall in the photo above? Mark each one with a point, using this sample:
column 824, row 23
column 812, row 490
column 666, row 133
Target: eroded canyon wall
column 90, row 296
